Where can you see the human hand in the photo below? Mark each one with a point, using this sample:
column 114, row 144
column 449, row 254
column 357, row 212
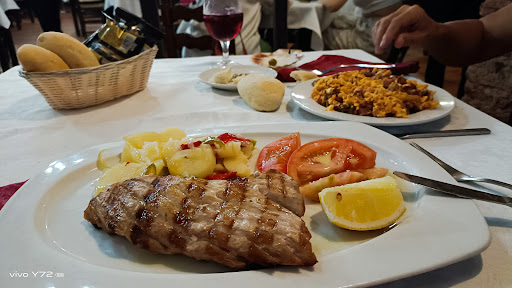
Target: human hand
column 409, row 25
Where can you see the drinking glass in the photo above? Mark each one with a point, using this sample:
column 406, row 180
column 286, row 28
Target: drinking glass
column 223, row 19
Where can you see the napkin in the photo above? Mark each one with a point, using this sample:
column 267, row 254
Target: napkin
column 7, row 191
column 329, row 61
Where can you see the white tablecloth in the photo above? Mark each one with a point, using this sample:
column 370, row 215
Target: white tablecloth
column 310, row 15
column 33, row 135
column 6, row 5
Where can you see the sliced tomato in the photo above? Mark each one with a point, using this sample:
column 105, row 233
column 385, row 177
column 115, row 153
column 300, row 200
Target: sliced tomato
column 321, row 158
column 276, row 154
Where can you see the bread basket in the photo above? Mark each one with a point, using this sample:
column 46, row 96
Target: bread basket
column 80, row 88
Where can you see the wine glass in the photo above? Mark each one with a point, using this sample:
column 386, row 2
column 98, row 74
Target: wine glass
column 223, row 19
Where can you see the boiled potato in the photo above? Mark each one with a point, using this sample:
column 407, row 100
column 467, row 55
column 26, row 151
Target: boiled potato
column 230, row 149
column 150, row 152
column 106, row 162
column 199, row 162
column 173, row 133
column 170, row 148
column 238, row 164
column 128, row 153
column 118, row 173
column 156, row 168
column 137, row 140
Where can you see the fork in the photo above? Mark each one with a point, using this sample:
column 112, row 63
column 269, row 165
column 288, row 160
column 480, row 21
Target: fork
column 320, row 72
column 456, row 174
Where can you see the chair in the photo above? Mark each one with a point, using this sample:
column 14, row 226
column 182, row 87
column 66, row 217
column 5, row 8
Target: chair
column 172, row 14
column 86, row 12
column 280, row 24
column 7, row 51
column 25, row 10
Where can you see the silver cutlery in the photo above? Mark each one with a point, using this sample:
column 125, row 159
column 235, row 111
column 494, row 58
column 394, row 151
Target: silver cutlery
column 455, row 190
column 320, row 72
column 444, row 133
column 458, row 175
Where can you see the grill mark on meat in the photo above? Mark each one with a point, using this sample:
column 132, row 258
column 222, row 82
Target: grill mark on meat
column 262, row 234
column 152, row 198
column 182, row 218
column 175, row 239
column 144, row 218
column 218, row 231
column 236, row 188
column 230, row 208
column 276, row 182
column 139, row 233
column 139, row 237
column 159, row 184
column 256, row 254
column 113, row 213
column 195, row 190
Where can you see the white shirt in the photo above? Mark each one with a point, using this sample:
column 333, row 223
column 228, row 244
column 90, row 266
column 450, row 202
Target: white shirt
column 369, row 6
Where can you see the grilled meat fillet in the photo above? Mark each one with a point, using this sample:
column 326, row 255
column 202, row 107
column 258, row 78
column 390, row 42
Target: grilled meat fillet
column 226, row 221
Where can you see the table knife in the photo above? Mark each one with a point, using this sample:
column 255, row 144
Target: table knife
column 444, row 133
column 455, row 190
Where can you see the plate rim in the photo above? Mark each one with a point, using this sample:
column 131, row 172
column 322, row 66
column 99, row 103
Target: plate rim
column 305, row 102
column 304, row 277
column 231, row 87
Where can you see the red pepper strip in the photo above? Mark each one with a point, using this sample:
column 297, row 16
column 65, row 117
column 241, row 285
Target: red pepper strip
column 191, row 145
column 222, row 176
column 227, row 137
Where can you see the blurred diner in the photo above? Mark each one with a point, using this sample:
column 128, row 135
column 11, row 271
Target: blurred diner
column 352, row 26
column 247, row 41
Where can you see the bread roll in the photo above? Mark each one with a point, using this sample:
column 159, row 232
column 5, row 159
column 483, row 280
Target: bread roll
column 263, row 93
column 301, row 76
column 72, row 51
column 37, row 59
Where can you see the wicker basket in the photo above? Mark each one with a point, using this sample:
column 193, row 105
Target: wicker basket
column 79, row 88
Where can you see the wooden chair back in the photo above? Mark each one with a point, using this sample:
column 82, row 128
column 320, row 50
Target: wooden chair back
column 85, row 12
column 172, row 14
column 280, row 28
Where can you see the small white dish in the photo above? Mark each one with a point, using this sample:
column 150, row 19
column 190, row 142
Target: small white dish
column 301, row 94
column 207, row 76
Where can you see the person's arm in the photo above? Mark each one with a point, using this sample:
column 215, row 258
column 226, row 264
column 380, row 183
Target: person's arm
column 333, row 5
column 497, row 33
column 456, row 43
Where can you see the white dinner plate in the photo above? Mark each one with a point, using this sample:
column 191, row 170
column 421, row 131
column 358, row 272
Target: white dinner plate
column 207, row 76
column 43, row 229
column 301, row 94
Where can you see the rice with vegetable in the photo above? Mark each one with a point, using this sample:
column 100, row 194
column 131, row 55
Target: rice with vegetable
column 374, row 93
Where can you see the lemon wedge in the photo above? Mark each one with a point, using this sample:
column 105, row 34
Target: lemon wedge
column 367, row 205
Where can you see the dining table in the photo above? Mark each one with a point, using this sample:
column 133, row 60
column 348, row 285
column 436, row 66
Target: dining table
column 34, row 135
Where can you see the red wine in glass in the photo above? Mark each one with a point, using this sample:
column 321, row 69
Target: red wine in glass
column 224, row 27
column 223, row 20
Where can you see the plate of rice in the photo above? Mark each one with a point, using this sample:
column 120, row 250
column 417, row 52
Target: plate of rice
column 373, row 97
